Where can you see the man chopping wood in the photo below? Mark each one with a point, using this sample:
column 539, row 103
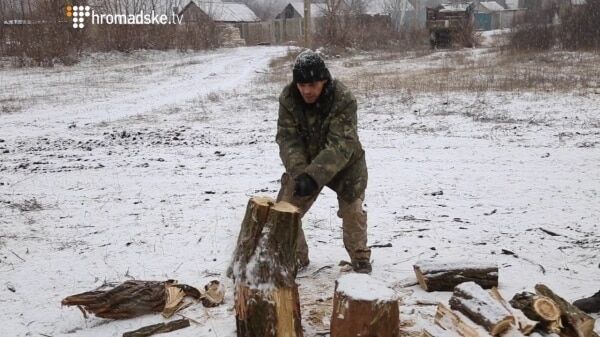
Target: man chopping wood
column 319, row 146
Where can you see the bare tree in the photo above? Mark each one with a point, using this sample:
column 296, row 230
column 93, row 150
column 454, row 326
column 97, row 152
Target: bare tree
column 397, row 10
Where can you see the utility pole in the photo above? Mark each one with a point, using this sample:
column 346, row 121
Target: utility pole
column 416, row 23
column 307, row 22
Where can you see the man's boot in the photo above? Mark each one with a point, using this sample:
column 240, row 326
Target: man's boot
column 589, row 304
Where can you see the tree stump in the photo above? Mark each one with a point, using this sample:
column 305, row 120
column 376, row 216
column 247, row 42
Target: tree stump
column 363, row 306
column 478, row 305
column 264, row 271
column 434, row 276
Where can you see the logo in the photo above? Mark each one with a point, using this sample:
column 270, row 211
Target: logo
column 78, row 13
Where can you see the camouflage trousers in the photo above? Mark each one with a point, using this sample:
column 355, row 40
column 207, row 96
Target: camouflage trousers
column 354, row 222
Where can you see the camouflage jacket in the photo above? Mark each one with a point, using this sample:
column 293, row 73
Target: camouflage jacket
column 321, row 139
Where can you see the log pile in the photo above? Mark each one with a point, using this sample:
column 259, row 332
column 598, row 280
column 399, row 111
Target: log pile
column 475, row 312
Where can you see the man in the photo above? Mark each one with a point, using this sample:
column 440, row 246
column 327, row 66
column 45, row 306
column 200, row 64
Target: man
column 589, row 304
column 319, row 146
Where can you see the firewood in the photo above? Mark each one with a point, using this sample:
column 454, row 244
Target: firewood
column 174, row 301
column 536, row 307
column 437, row 331
column 576, row 322
column 523, row 323
column 456, row 322
column 129, row 299
column 512, row 331
column 478, row 305
column 158, row 328
column 363, row 306
column 264, row 270
column 434, row 276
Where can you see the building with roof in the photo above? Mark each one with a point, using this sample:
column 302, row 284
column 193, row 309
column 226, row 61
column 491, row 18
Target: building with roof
column 218, row 12
column 295, row 10
column 491, row 15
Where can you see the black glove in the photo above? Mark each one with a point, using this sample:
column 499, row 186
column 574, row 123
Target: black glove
column 305, row 185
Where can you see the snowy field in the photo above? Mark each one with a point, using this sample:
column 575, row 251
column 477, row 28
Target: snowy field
column 140, row 166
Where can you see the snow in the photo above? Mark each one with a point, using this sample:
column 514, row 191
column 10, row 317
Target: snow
column 478, row 300
column 364, row 288
column 433, row 266
column 143, row 163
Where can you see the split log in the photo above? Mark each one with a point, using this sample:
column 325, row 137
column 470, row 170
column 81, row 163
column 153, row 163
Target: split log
column 264, row 270
column 478, row 305
column 434, row 276
column 522, row 322
column 539, row 308
column 436, row 331
column 158, row 328
column 363, row 306
column 576, row 322
column 452, row 321
column 134, row 298
column 129, row 299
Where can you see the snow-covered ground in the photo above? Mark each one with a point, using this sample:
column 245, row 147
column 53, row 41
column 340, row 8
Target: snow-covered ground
column 140, row 166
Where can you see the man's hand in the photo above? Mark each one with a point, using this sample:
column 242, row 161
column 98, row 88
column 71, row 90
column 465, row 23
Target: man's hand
column 305, row 185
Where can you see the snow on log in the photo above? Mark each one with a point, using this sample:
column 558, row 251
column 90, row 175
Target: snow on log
column 264, row 271
column 363, row 306
column 477, row 304
column 436, row 276
column 522, row 322
column 576, row 322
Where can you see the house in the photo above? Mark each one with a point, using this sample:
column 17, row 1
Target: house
column 230, row 17
column 218, row 12
column 489, row 15
column 295, row 10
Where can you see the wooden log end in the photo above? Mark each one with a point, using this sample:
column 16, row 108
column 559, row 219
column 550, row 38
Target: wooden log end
column 285, row 207
column 363, row 306
column 546, row 308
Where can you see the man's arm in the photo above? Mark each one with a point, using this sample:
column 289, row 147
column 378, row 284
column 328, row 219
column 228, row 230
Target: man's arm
column 291, row 147
column 342, row 139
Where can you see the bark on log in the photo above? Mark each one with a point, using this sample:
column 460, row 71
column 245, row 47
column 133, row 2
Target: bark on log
column 449, row 320
column 576, row 322
column 129, row 299
column 264, row 270
column 363, row 306
column 158, row 328
column 434, row 276
column 522, row 322
column 478, row 305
